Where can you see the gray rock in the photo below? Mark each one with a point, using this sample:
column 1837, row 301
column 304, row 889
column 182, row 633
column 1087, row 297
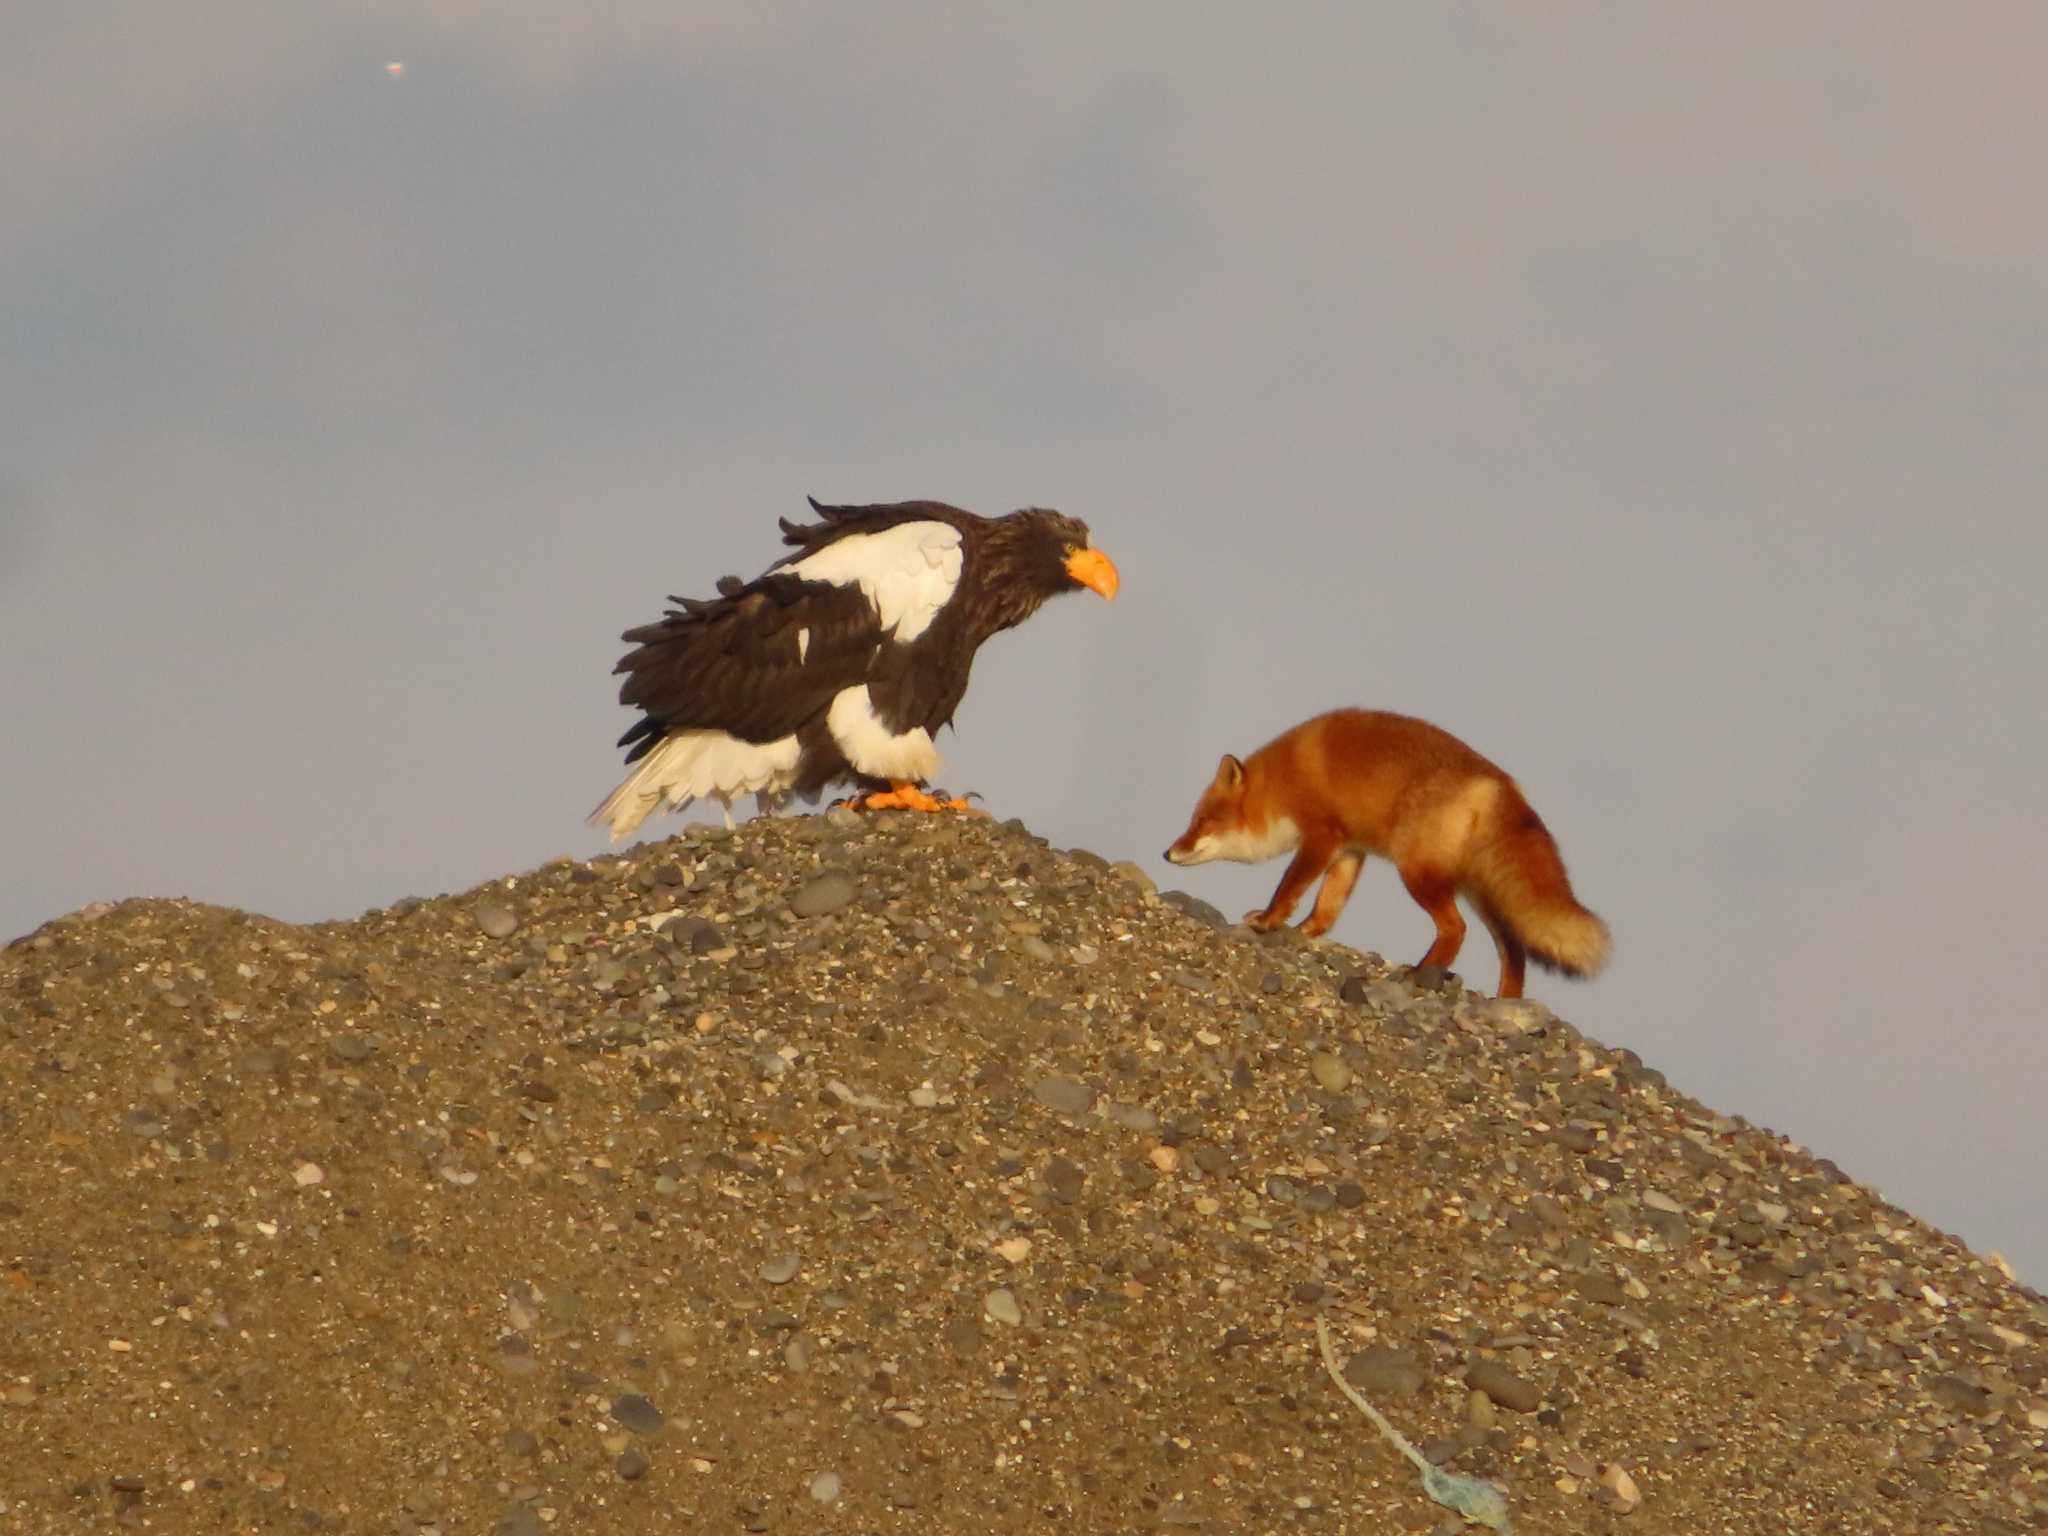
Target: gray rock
column 1001, row 1306
column 496, row 922
column 1513, row 1392
column 636, row 1413
column 698, row 935
column 1128, row 870
column 1063, row 1180
column 1200, row 910
column 1134, row 1117
column 1330, row 1071
column 1381, row 1372
column 781, row 1269
column 825, row 1487
column 824, row 895
column 1959, row 1393
column 632, row 1464
column 1578, row 1138
column 1064, row 1095
column 1602, row 1290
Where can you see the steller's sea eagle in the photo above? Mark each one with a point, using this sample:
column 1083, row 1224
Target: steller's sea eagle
column 838, row 663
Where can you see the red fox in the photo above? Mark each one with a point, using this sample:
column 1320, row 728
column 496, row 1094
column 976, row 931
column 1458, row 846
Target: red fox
column 1360, row 781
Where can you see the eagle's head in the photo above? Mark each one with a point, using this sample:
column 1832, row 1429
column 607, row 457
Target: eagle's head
column 1056, row 556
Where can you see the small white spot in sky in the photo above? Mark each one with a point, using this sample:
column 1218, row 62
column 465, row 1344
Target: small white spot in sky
column 395, row 68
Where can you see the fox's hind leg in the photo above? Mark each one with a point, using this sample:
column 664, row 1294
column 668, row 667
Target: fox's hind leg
column 1437, row 894
column 1335, row 892
column 1514, row 959
column 1310, row 860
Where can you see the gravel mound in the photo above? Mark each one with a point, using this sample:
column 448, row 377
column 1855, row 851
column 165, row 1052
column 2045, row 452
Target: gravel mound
column 903, row 1174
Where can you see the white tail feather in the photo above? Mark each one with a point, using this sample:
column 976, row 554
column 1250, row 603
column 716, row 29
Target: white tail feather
column 691, row 765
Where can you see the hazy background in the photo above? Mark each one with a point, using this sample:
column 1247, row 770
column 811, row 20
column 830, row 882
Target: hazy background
column 1657, row 398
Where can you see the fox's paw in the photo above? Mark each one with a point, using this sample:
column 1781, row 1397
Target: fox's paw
column 1263, row 921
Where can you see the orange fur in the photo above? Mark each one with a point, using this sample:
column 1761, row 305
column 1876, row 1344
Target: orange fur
column 1361, row 781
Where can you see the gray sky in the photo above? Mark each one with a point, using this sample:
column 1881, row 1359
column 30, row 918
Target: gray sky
column 1657, row 399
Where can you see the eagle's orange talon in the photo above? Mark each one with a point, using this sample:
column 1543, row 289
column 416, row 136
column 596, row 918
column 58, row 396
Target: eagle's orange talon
column 903, row 796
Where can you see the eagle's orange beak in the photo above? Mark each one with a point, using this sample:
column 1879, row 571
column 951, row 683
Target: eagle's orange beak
column 1093, row 570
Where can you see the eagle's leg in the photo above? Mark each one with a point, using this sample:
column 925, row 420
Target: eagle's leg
column 903, row 795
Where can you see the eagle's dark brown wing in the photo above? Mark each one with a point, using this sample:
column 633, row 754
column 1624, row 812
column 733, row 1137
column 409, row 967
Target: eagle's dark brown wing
column 757, row 662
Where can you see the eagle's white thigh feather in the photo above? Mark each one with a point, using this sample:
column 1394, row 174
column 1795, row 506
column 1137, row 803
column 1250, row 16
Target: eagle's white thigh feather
column 908, row 572
column 871, row 746
column 691, row 765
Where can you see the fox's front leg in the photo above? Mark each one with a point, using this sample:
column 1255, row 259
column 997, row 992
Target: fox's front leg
column 1335, row 892
column 1309, row 862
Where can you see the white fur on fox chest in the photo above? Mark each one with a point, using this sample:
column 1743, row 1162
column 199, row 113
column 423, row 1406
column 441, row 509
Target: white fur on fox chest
column 1244, row 845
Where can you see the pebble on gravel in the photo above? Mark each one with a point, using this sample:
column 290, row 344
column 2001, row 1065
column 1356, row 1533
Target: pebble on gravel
column 1618, row 1489
column 825, row 1487
column 1513, row 1392
column 1384, row 1372
column 1602, row 1290
column 1329, row 1071
column 1001, row 1306
column 1064, row 1180
column 637, row 1414
column 496, row 922
column 824, row 895
column 1064, row 1096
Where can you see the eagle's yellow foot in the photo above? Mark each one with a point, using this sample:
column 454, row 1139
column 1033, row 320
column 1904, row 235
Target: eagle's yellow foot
column 905, row 796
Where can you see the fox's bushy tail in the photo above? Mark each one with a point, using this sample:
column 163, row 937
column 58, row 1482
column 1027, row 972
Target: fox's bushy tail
column 1518, row 882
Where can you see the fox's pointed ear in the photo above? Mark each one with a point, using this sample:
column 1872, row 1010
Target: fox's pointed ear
column 1229, row 773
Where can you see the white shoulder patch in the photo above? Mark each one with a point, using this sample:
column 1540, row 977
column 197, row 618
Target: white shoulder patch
column 908, row 572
